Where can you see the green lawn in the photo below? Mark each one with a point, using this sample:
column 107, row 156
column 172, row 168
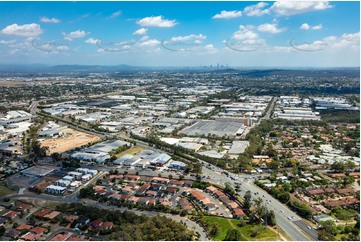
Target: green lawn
column 246, row 230
column 4, row 191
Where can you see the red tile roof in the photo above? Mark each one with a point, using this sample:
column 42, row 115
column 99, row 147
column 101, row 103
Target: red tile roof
column 42, row 213
column 24, row 226
column 238, row 212
column 38, row 230
column 11, row 214
column 61, row 237
column 30, row 236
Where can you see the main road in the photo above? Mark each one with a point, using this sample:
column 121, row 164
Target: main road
column 287, row 220
column 285, row 217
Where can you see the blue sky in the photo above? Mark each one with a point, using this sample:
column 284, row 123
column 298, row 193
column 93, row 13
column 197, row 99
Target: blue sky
column 284, row 33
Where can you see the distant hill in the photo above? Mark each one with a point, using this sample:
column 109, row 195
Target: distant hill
column 20, row 67
column 94, row 68
column 255, row 72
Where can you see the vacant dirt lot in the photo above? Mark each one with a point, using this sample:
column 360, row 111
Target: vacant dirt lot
column 70, row 140
column 131, row 151
column 46, row 181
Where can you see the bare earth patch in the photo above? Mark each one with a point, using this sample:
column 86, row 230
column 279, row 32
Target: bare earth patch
column 70, row 140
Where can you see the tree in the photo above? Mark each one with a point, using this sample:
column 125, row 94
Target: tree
column 271, row 218
column 2, row 230
column 86, row 192
column 274, row 165
column 259, row 210
column 350, row 165
column 214, row 228
column 348, row 180
column 197, row 167
column 233, row 235
column 183, row 213
column 323, row 235
column 229, row 189
column 55, row 156
column 247, row 203
column 338, row 166
column 330, row 227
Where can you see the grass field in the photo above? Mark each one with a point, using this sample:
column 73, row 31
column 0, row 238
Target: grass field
column 4, row 191
column 131, row 151
column 246, row 230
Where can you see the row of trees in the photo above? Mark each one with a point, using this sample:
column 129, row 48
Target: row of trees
column 256, row 139
column 31, row 144
column 129, row 226
column 256, row 211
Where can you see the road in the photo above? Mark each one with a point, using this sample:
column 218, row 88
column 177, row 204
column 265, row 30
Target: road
column 269, row 111
column 284, row 216
column 190, row 224
column 282, row 212
column 33, row 106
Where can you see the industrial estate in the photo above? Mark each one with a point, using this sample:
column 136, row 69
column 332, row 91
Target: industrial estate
column 218, row 158
column 180, row 121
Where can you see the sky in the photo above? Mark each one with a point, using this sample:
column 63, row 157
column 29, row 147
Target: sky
column 242, row 34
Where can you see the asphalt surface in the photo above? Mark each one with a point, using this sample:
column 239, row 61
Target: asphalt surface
column 282, row 212
column 308, row 229
column 284, row 215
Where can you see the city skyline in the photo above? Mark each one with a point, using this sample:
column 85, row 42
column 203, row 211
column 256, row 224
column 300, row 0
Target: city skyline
column 287, row 34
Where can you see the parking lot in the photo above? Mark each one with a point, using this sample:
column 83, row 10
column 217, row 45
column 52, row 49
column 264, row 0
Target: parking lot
column 21, row 181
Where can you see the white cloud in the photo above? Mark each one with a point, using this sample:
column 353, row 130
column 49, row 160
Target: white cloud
column 245, row 39
column 306, row 26
column 92, row 41
column 49, row 20
column 115, row 14
column 345, row 42
column 193, row 37
column 75, row 35
column 144, row 38
column 141, row 31
column 227, row 14
column 26, row 30
column 256, row 10
column 6, row 42
column 317, row 27
column 156, row 21
column 245, row 33
column 210, row 48
column 289, row 8
column 149, row 43
column 270, row 28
